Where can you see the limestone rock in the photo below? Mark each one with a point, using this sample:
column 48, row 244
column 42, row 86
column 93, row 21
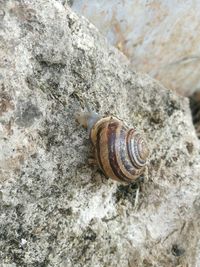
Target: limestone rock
column 56, row 209
column 159, row 37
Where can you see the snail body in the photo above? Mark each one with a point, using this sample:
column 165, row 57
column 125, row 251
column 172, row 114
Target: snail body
column 120, row 152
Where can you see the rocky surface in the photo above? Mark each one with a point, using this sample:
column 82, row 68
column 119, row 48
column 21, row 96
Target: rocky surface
column 160, row 37
column 56, row 209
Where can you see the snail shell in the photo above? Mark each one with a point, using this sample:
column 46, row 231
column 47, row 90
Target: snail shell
column 120, row 152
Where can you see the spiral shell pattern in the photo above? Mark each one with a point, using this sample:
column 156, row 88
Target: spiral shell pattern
column 121, row 153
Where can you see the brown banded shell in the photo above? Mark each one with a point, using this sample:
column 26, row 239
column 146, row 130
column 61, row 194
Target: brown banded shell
column 121, row 153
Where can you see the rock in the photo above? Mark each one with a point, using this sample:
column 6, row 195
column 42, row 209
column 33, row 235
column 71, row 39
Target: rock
column 159, row 37
column 56, row 209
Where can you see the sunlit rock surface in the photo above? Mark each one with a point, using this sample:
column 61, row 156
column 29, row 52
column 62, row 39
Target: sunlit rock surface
column 56, row 209
column 159, row 37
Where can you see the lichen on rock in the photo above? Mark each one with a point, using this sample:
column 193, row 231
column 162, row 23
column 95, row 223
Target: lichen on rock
column 56, row 209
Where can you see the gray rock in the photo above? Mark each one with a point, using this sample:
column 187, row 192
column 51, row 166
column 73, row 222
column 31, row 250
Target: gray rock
column 56, row 209
column 159, row 37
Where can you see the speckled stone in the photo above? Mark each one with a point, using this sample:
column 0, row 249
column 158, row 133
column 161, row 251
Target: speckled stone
column 56, row 209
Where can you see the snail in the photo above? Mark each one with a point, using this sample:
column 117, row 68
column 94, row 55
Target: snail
column 120, row 152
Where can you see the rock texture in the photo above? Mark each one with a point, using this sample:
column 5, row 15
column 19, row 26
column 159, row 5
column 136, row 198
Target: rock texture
column 56, row 209
column 160, row 37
